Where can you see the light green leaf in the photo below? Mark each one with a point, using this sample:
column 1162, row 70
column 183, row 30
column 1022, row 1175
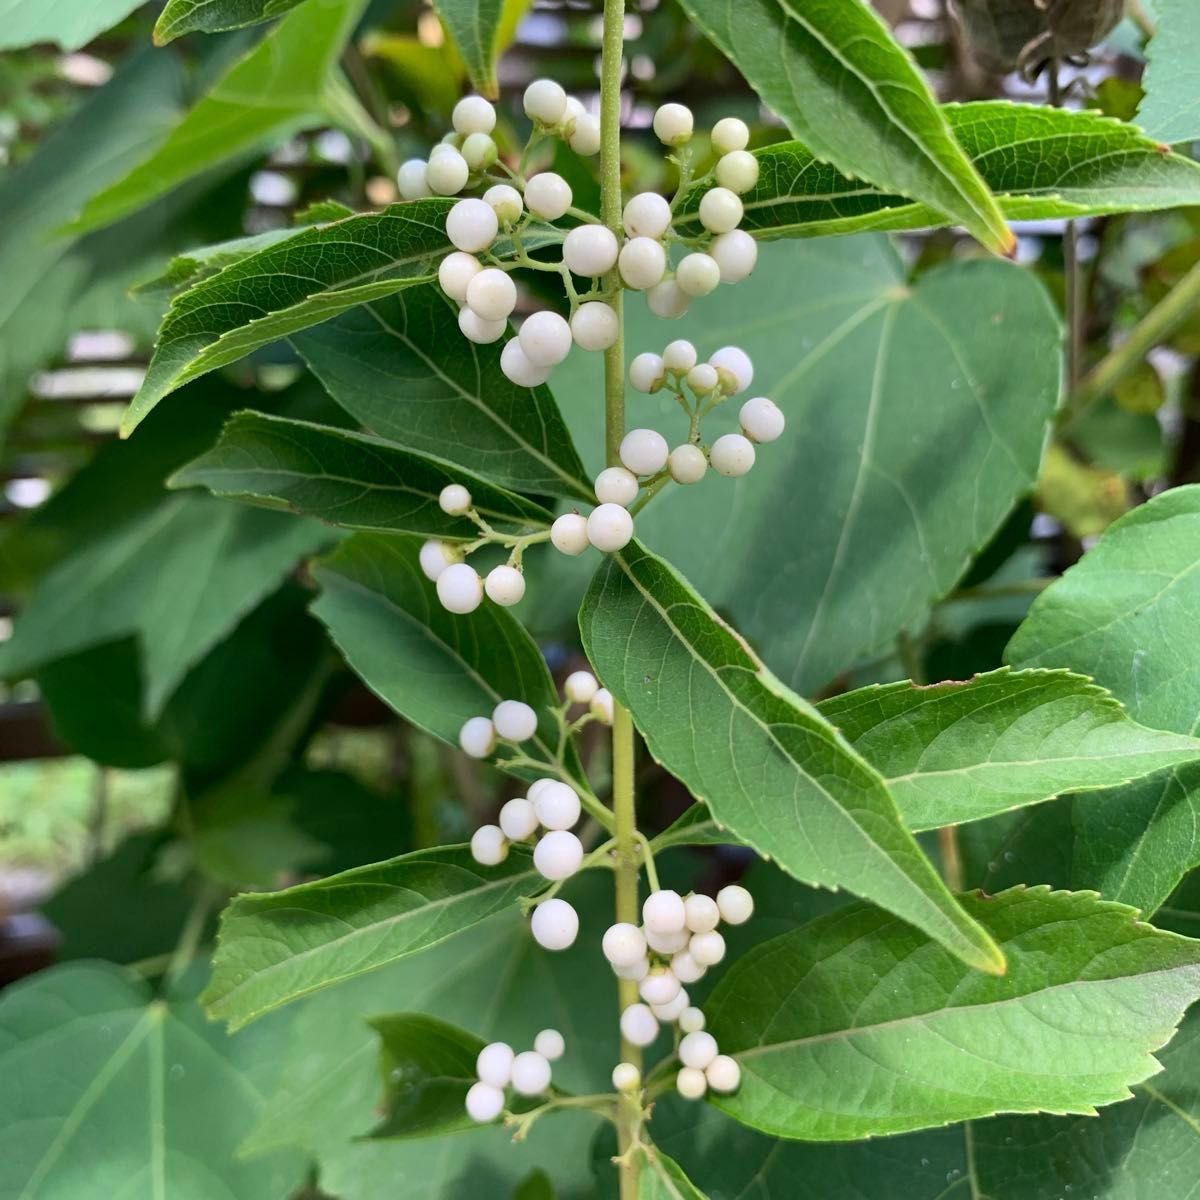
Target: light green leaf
column 856, row 1026
column 348, row 479
column 274, row 947
column 662, row 1178
column 481, row 29
column 213, row 16
column 766, row 763
column 1042, row 164
column 69, row 25
column 110, row 1092
column 402, row 367
column 843, row 86
column 180, row 576
column 277, row 88
column 1171, row 108
column 184, row 270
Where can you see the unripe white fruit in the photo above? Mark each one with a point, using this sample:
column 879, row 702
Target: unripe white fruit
column 687, row 463
column 489, row 847
column 594, row 325
column 473, row 114
column 735, row 368
column 702, row 378
column 514, row 720
column 492, row 294
column 663, row 912
column 667, row 943
column 477, row 737
column 647, row 215
column 505, row 201
column 545, row 102
column 707, row 948
column 673, row 1008
column 554, row 924
column 738, row 171
column 616, row 485
column 557, row 805
column 574, row 109
column 659, row 987
column 623, row 944
column 762, row 420
column 517, row 368
column 537, row 787
column 668, row 300
column 601, row 706
column 583, row 134
column 494, row 1064
column 730, row 134
column 679, row 355
column 736, row 904
column 457, row 270
column 736, row 253
column 558, row 855
column 684, row 967
column 580, row 686
column 505, row 586
column 518, row 819
column 732, row 455
column 447, row 172
column 435, row 557
column 626, row 1077
column 644, row 451
column 673, row 124
column 550, row 1044
column 609, row 529
column 545, row 338
column 698, row 274
column 411, row 180
column 642, row 263
column 646, row 372
column 480, row 151
column 690, row 1020
column 460, row 589
column 530, row 1073
column 638, row 1025
column 635, row 971
column 702, row 913
column 723, row 1074
column 720, row 210
column 451, row 141
column 475, row 329
column 548, row 195
column 569, row 534
column 484, row 1102
column 690, row 1083
column 454, row 500
column 697, row 1049
column 590, row 250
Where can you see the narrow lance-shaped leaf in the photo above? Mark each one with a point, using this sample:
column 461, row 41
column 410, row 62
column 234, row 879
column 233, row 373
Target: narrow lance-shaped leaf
column 213, row 16
column 767, row 764
column 857, row 1026
column 475, row 25
column 832, row 71
column 348, row 479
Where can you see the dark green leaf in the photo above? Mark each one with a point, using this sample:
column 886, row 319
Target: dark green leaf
column 212, row 16
column 184, row 270
column 662, row 1178
column 70, row 25
column 1171, row 109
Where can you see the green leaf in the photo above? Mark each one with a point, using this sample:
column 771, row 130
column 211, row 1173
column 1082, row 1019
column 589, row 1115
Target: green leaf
column 180, row 576
column 1171, row 109
column 277, row 88
column 766, row 763
column 428, row 1066
column 348, row 479
column 184, row 270
column 475, row 27
column 277, row 946
column 69, row 25
column 844, row 87
column 1042, row 164
column 402, row 367
column 856, row 1026
column 214, row 16
column 662, row 1178
column 956, row 752
column 111, row 1092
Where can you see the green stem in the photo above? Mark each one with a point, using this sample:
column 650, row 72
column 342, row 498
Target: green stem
column 999, row 591
column 189, row 936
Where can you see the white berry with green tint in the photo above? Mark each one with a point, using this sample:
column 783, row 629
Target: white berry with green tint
column 545, row 338
column 455, row 272
column 698, row 274
column 435, row 557
column 545, row 101
column 735, row 903
column 548, row 196
column 505, row 586
column 673, row 124
column 736, row 253
column 569, row 534
column 679, row 356
column 691, row 1020
column 505, row 201
column 447, row 172
column 734, row 367
column 668, row 300
column 729, row 135
column 411, row 179
column 616, row 485
column 626, row 1077
column 738, row 171
column 602, row 706
column 473, row 114
column 477, row 738
column 609, row 528
column 690, row 1083
column 472, row 225
column 647, row 215
column 720, row 210
column 642, row 263
column 580, row 686
column 595, row 326
column 647, row 372
column 492, row 294
column 590, row 250
column 454, row 500
column 732, row 455
column 489, row 847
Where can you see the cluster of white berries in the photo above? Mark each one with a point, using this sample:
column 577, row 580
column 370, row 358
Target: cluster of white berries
column 499, row 1067
column 675, row 945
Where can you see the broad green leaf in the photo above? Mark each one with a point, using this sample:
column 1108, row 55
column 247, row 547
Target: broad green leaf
column 108, row 1091
column 428, row 1066
column 1042, row 163
column 475, row 27
column 213, row 16
column 1171, row 108
column 402, row 367
column 277, row 946
column 278, row 87
column 843, row 86
column 69, row 25
column 662, row 1178
column 857, row 1026
column 180, row 576
column 957, row 752
column 766, row 763
column 348, row 479
column 184, row 270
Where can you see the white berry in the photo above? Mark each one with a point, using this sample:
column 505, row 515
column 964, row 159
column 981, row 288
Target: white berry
column 411, row 181
column 558, row 855
column 667, row 943
column 690, row 1083
column 546, row 338
column 730, row 134
column 473, row 114
column 736, row 904
column 720, row 210
column 516, row 367
column 690, row 1020
column 609, row 528
column 518, row 819
column 659, row 987
column 554, row 924
column 735, row 368
column 697, row 1049
column 545, row 102
column 732, row 455
column 480, row 151
column 702, row 378
column 673, row 1008
column 601, row 706
column 454, row 500
column 680, row 355
column 616, row 485
column 477, row 737
column 475, row 329
column 639, row 1025
column 636, row 971
column 460, row 589
column 569, row 534
column 761, row 420
column 698, row 274
column 673, row 124
column 435, row 557
column 642, row 263
column 668, row 300
column 702, row 913
column 663, row 912
column 687, row 463
column 492, row 294
column 647, row 215
column 484, row 1102
column 471, row 225
column 684, row 967
column 557, row 805
column 580, row 686
column 644, row 451
column 550, row 1044
column 548, row 195
column 494, row 1064
column 723, row 1074
column 626, row 1077
column 738, row 171
column 594, row 325
column 707, row 948
column 505, row 586
column 530, row 1073
column 646, row 372
column 455, row 271
column 489, row 847
column 736, row 253
column 583, row 134
column 514, row 720
column 447, row 173
column 505, row 201
column 590, row 250
column 623, row 944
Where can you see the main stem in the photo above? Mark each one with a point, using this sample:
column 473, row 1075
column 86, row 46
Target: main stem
column 624, row 815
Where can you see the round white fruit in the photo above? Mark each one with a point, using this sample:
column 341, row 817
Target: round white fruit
column 690, row 1020
column 680, row 355
column 697, row 1049
column 663, row 912
column 505, row 586
column 545, row 338
column 609, row 528
column 684, row 967
column 738, row 171
column 516, row 367
column 530, row 1073
column 477, row 737
column 644, row 451
column 473, row 114
column 558, row 855
column 601, row 706
column 580, row 686
column 455, row 272
column 479, row 151
column 736, row 253
column 550, row 1044
column 730, row 134
column 646, row 372
column 732, row 454
column 494, row 1064
column 687, row 463
column 492, row 294
column 626, row 1077
column 659, row 987
column 590, row 250
column 411, row 180
column 583, row 134
column 735, row 368
column 762, row 420
column 557, row 805
column 505, row 201
column 623, row 944
column 639, row 1025
column 673, row 1008
column 475, row 329
column 720, row 210
column 514, row 720
column 545, row 102
column 454, row 500
column 707, row 948
column 518, row 819
column 459, row 588
column 489, row 847
column 484, row 1102
column 434, row 558
column 723, row 1074
column 554, row 924
column 702, row 913
column 447, row 173
column 569, row 534
column 698, row 274
column 595, row 326
column 702, row 378
column 667, row 300
column 642, row 263
column 690, row 1083
column 548, row 195
column 673, row 124
column 647, row 215
column 736, row 904
column 616, row 485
